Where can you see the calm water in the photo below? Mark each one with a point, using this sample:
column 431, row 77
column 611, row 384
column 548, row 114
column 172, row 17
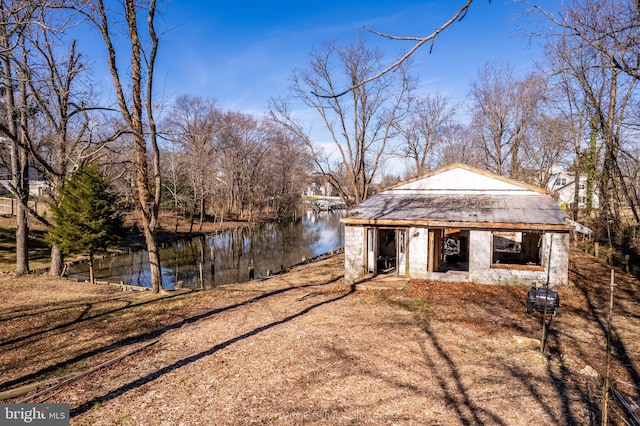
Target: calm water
column 227, row 257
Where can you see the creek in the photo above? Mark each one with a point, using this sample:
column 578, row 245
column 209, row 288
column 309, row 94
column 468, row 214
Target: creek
column 229, row 256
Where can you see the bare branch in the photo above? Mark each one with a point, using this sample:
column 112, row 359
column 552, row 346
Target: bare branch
column 420, row 41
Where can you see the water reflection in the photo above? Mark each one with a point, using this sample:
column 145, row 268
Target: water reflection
column 230, row 256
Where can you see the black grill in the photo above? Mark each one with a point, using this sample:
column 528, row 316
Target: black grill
column 540, row 299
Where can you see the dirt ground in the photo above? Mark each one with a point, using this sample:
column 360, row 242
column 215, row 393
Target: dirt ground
column 304, row 348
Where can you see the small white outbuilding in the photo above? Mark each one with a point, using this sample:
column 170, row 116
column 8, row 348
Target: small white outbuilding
column 459, row 223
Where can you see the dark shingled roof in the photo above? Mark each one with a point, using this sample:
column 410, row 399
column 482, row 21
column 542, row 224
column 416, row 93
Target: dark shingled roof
column 533, row 208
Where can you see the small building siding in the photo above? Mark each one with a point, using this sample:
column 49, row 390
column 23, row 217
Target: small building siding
column 480, row 243
column 418, row 251
column 480, row 255
column 480, row 270
column 559, row 272
column 354, row 259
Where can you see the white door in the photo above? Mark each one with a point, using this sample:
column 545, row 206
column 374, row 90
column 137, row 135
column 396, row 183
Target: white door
column 401, row 251
column 371, row 250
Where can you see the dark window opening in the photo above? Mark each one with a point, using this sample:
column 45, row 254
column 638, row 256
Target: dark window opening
column 517, row 248
column 455, row 250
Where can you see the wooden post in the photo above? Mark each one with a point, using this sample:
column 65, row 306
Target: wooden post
column 607, row 379
column 544, row 327
column 212, row 255
column 596, row 249
column 546, row 296
column 626, row 263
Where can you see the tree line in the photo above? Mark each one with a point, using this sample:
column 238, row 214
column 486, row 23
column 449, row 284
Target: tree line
column 230, row 164
column 197, row 158
column 579, row 110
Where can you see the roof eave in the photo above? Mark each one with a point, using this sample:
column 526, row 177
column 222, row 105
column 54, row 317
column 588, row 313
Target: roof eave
column 452, row 224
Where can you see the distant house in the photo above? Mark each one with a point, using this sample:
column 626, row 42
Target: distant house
column 319, row 189
column 37, row 185
column 562, row 183
column 459, row 223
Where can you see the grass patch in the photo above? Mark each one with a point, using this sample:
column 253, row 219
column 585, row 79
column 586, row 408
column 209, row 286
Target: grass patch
column 422, row 310
column 39, row 250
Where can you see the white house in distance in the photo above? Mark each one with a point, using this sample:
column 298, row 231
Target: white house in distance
column 562, row 183
column 459, row 223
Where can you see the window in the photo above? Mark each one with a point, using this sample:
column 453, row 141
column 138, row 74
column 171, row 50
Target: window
column 561, row 181
column 453, row 251
column 516, row 248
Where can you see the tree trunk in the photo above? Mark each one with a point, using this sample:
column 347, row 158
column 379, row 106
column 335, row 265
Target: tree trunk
column 22, row 239
column 592, row 157
column 92, row 278
column 17, row 150
column 176, row 212
column 514, row 170
column 154, row 258
column 57, row 262
column 576, row 190
column 201, row 213
column 192, row 218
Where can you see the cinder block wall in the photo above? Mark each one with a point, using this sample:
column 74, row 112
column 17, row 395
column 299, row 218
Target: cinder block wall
column 418, row 252
column 354, row 244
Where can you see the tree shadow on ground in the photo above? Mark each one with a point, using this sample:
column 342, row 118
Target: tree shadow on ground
column 596, row 310
column 564, row 380
column 35, row 311
column 147, row 336
column 450, row 383
column 83, row 316
column 83, row 408
column 503, row 312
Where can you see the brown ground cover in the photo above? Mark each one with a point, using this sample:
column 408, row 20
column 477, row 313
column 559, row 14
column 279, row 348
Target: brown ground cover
column 304, row 348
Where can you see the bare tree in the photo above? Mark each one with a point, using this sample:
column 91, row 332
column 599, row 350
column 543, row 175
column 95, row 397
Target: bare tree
column 548, row 144
column 16, row 113
column 49, row 111
column 596, row 42
column 503, row 109
column 174, row 168
column 458, row 146
column 419, row 41
column 577, row 114
column 136, row 105
column 428, row 122
column 190, row 124
column 64, row 134
column 242, row 147
column 285, row 170
column 611, row 28
column 361, row 125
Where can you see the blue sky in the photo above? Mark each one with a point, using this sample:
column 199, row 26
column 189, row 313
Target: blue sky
column 242, row 53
